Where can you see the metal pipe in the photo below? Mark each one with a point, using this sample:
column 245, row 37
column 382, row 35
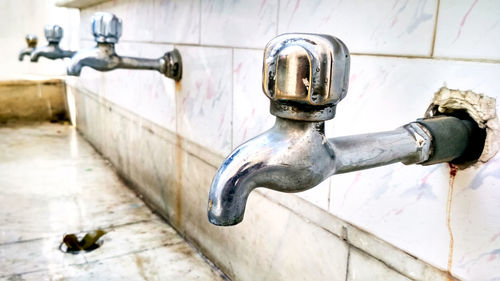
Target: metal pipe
column 305, row 77
column 295, row 156
column 53, row 34
column 366, row 151
column 51, row 51
column 107, row 29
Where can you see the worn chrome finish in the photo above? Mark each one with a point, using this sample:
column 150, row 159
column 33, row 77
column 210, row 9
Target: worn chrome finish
column 53, row 34
column 295, row 155
column 107, row 29
column 305, row 75
column 31, row 40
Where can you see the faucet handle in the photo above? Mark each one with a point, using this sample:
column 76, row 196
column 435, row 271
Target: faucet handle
column 31, row 40
column 106, row 27
column 305, row 75
column 53, row 33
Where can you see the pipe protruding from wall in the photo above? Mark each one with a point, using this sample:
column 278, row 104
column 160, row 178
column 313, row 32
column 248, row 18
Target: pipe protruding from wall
column 107, row 29
column 53, row 34
column 305, row 77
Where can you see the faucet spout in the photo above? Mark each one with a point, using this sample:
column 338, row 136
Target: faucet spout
column 51, row 51
column 290, row 157
column 25, row 52
column 104, row 58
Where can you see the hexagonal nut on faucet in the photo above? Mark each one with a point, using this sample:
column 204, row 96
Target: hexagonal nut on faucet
column 305, row 75
column 53, row 33
column 106, row 27
column 31, row 40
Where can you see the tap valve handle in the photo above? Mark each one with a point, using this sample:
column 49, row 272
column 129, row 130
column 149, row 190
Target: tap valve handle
column 31, row 40
column 305, row 75
column 106, row 27
column 53, row 33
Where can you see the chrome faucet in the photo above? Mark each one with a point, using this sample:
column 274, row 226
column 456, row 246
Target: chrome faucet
column 305, row 76
column 107, row 29
column 53, row 34
column 31, row 40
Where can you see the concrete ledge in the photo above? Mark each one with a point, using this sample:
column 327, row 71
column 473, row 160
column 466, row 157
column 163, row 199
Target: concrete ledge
column 32, row 100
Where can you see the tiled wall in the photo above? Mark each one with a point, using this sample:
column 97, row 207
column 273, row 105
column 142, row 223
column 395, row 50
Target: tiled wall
column 403, row 51
column 18, row 18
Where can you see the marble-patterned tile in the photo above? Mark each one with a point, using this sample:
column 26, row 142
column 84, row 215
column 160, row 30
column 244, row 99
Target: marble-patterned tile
column 393, row 257
column 137, row 19
column 251, row 106
column 182, row 262
column 35, row 255
column 397, row 27
column 204, row 97
column 402, row 204
column 475, row 224
column 364, row 267
column 238, row 23
column 147, row 93
column 468, row 29
column 177, row 21
column 318, row 195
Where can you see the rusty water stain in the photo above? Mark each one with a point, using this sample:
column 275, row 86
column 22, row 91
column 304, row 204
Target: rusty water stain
column 178, row 179
column 209, row 204
column 453, row 173
column 140, row 261
column 178, row 86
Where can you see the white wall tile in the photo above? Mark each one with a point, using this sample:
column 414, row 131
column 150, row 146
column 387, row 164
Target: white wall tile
column 403, row 204
column 137, row 19
column 243, row 23
column 204, row 97
column 318, row 195
column 147, row 93
column 382, row 27
column 475, row 222
column 468, row 29
column 364, row 267
column 251, row 115
column 177, row 21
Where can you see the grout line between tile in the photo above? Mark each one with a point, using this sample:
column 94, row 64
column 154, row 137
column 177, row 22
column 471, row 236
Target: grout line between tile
column 199, row 22
column 347, row 262
column 433, row 43
column 232, row 99
column 277, row 18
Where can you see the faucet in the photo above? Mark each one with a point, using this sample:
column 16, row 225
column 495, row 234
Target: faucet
column 305, row 76
column 107, row 29
column 31, row 40
column 53, row 34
